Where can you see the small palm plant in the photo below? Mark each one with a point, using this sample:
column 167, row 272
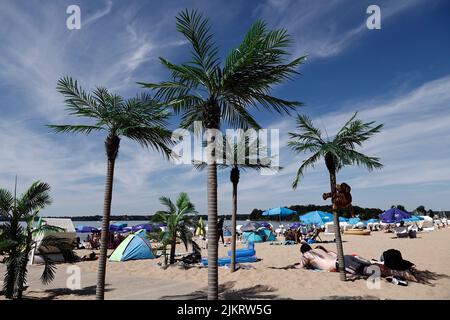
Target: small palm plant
column 215, row 93
column 178, row 218
column 16, row 241
column 244, row 153
column 337, row 152
column 141, row 119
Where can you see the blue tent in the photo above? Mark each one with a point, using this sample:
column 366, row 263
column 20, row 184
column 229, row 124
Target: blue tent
column 373, row 221
column 280, row 212
column 134, row 247
column 268, row 235
column 260, row 235
column 343, row 219
column 86, row 229
column 251, row 236
column 316, row 217
column 394, row 215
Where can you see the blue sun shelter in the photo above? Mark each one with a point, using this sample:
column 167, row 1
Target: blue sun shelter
column 134, row 247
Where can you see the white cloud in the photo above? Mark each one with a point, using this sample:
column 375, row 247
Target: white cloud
column 324, row 29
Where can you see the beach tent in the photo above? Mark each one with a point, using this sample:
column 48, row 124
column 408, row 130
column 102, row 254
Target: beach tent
column 343, row 219
column 427, row 223
column 394, row 215
column 133, row 247
column 260, row 235
column 373, row 221
column 250, row 226
column 67, row 234
column 86, row 229
column 316, row 217
column 268, row 234
column 280, row 212
column 251, row 236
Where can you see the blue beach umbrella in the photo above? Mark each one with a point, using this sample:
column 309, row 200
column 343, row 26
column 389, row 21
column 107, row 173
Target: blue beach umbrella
column 394, row 215
column 354, row 220
column 413, row 219
column 280, row 211
column 117, row 226
column 146, row 226
column 86, row 229
column 316, row 217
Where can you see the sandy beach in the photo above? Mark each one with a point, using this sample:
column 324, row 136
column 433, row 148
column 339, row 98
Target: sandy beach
column 266, row 279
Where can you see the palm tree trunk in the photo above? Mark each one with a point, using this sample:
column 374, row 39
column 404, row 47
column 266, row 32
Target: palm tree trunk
column 172, row 249
column 233, row 229
column 212, row 123
column 112, row 148
column 337, row 229
column 213, row 272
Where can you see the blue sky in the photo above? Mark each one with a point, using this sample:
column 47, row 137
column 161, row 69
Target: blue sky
column 399, row 75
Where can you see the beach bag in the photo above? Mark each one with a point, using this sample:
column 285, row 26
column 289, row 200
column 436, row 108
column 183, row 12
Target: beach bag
column 393, row 260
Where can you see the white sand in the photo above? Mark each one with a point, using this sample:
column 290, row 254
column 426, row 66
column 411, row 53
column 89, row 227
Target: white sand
column 265, row 279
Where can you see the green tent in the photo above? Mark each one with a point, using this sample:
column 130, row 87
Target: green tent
column 134, row 247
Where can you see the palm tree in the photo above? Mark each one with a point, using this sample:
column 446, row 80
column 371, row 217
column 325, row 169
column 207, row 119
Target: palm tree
column 337, row 152
column 178, row 218
column 141, row 119
column 16, row 242
column 241, row 154
column 204, row 90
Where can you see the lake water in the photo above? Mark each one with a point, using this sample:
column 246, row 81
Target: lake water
column 97, row 224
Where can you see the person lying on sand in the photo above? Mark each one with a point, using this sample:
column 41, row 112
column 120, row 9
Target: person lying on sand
column 323, row 259
column 318, row 258
column 91, row 257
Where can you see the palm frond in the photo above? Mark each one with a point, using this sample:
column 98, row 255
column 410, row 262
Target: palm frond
column 67, row 128
column 6, row 202
column 310, row 162
column 196, row 29
column 35, row 198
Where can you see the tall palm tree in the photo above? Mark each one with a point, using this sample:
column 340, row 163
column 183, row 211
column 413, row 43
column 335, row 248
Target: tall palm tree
column 337, row 152
column 16, row 242
column 241, row 154
column 205, row 90
column 141, row 119
column 178, row 218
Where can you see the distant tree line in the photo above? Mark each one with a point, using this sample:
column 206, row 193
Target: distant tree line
column 256, row 214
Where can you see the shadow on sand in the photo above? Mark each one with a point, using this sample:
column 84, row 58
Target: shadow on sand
column 51, row 294
column 426, row 277
column 226, row 292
